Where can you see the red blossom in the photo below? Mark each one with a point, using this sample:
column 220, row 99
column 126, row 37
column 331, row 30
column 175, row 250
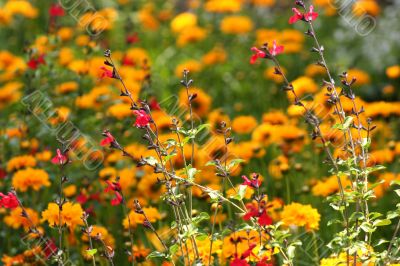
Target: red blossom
column 114, row 187
column 50, row 248
column 142, row 118
column 60, row 158
column 56, row 11
column 263, row 218
column 3, row 173
column 257, row 54
column 296, row 17
column 117, row 200
column 106, row 73
column 133, row 38
column 254, row 182
column 8, row 201
column 108, row 138
column 276, row 49
column 239, row 262
column 126, row 61
column 263, row 262
column 81, row 198
column 311, row 15
column 154, row 105
column 34, row 62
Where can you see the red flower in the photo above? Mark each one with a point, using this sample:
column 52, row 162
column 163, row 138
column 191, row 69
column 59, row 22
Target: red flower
column 3, row 173
column 9, row 201
column 142, row 118
column 296, row 17
column 108, row 139
column 133, row 38
column 254, row 182
column 50, row 248
column 60, row 158
column 239, row 262
column 242, row 260
column 81, row 198
column 276, row 49
column 126, row 61
column 56, row 11
column 263, row 262
column 106, row 73
column 114, row 187
column 33, row 63
column 311, row 15
column 262, row 215
column 257, row 54
column 154, row 105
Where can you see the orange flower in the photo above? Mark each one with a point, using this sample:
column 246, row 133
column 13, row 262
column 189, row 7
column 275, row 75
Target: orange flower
column 71, row 214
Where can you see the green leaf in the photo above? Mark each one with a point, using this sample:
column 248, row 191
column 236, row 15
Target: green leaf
column 91, row 252
column 173, row 249
column 234, row 163
column 366, row 142
column 201, row 237
column 155, row 254
column 397, row 191
column 240, row 193
column 382, row 222
column 346, row 124
column 150, row 160
column 375, row 168
column 201, row 217
column 191, row 173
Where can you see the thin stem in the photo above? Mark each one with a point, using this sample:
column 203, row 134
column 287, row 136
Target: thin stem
column 126, row 214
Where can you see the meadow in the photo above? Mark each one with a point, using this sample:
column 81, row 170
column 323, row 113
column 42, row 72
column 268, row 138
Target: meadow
column 199, row 132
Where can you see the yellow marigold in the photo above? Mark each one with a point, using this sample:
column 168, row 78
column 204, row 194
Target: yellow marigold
column 69, row 191
column 201, row 104
column 21, row 7
column 191, row 35
column 275, row 117
column 16, row 220
column 65, row 33
column 314, row 70
column 67, row 87
column 278, row 166
column 14, row 260
column 363, row 7
column 263, row 2
column 127, row 179
column 329, row 186
column 137, row 55
column 108, row 173
column 9, row 93
column 5, row 17
column 43, row 156
column 21, row 162
column 152, row 214
column 120, row 110
column 65, row 56
column 183, row 21
column 222, row 6
column 193, row 66
column 361, row 76
column 263, row 134
column 393, row 72
column 302, row 86
column 215, row 56
column 382, row 109
column 102, row 232
column 269, row 73
column 71, row 214
column 244, row 124
column 147, row 18
column 80, row 67
column 301, row 215
column 24, row 179
column 236, row 25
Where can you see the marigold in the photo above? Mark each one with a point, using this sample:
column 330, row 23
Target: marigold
column 301, row 215
column 244, row 124
column 19, row 162
column 201, row 104
column 16, row 220
column 27, row 178
column 236, row 25
column 191, row 35
column 71, row 214
column 393, row 72
column 136, row 218
column 183, row 21
column 222, row 6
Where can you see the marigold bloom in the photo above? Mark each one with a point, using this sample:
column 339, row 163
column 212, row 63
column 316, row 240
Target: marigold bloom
column 19, row 162
column 244, row 124
column 16, row 220
column 71, row 214
column 296, row 214
column 236, row 25
column 152, row 214
column 27, row 178
column 393, row 72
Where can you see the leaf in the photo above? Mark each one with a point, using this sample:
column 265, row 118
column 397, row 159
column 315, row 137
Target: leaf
column 173, row 249
column 380, row 242
column 240, row 193
column 375, row 168
column 395, row 182
column 365, row 143
column 201, row 237
column 235, row 162
column 382, row 222
column 155, row 254
column 150, row 160
column 91, row 252
column 191, row 173
column 201, row 217
column 397, row 191
column 366, row 227
column 346, row 124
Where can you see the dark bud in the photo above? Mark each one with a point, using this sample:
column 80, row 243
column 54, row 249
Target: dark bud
column 64, row 179
column 300, row 3
column 277, row 71
column 309, row 33
column 189, row 82
column 192, row 97
column 343, row 75
column 223, row 124
column 141, row 163
column 288, row 87
column 316, row 50
column 108, row 63
column 107, row 53
column 147, row 224
column 124, row 94
column 228, row 140
column 353, row 80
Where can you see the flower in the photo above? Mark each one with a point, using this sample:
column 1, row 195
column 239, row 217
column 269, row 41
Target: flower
column 136, row 218
column 275, row 50
column 56, row 11
column 253, row 183
column 71, row 214
column 9, row 201
column 34, row 62
column 60, row 158
column 259, row 212
column 142, row 118
column 107, row 73
column 301, row 215
column 19, row 162
column 257, row 54
column 309, row 16
column 114, row 187
column 30, row 178
column 18, row 219
column 109, row 139
column 238, row 25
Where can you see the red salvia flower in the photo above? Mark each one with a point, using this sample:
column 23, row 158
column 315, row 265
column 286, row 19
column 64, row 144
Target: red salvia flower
column 133, row 38
column 263, row 262
column 296, row 17
column 126, row 61
column 50, row 248
column 311, row 15
column 239, row 262
column 276, row 49
column 109, row 139
column 154, row 105
column 8, row 201
column 262, row 215
column 106, row 73
column 257, row 54
column 254, row 182
column 142, row 118
column 34, row 62
column 56, row 11
column 3, row 173
column 60, row 158
column 114, row 187
column 117, row 200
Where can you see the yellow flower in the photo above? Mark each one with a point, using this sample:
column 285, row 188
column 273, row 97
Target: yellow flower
column 302, row 86
column 80, row 67
column 102, row 233
column 69, row 191
column 263, row 2
column 71, row 214
column 183, row 21
column 43, row 156
column 67, row 87
column 296, row 214
column 9, row 93
column 147, row 18
column 221, row 6
column 263, row 134
column 201, row 104
column 16, row 220
column 393, row 72
column 120, row 110
column 244, row 124
column 24, row 179
column 65, row 56
column 191, row 35
column 278, row 166
column 269, row 73
column 21, row 162
column 363, row 7
column 329, row 186
column 215, row 56
column 65, row 33
column 193, row 66
column 135, row 218
column 21, row 7
column 236, row 25
column 361, row 76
